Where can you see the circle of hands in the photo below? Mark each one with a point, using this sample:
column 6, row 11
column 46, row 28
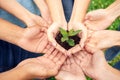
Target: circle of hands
column 72, row 64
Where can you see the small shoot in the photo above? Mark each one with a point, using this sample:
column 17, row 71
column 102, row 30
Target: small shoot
column 66, row 36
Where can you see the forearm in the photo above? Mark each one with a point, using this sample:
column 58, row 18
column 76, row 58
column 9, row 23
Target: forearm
column 56, row 10
column 41, row 5
column 109, row 74
column 9, row 32
column 116, row 36
column 13, row 7
column 79, row 10
column 114, row 9
column 14, row 74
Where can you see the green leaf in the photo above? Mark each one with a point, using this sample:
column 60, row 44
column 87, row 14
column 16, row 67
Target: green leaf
column 63, row 39
column 71, row 42
column 73, row 33
column 63, row 32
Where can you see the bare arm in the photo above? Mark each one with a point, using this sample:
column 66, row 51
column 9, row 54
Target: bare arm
column 45, row 13
column 79, row 10
column 14, row 74
column 114, row 9
column 9, row 32
column 17, row 10
column 56, row 10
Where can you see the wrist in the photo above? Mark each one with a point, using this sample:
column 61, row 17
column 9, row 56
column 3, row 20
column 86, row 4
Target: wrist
column 29, row 19
column 111, row 14
column 14, row 74
column 108, row 73
column 118, row 38
column 113, row 9
column 18, row 35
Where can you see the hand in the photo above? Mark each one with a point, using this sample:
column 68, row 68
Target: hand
column 98, row 19
column 52, row 32
column 70, row 71
column 33, row 38
column 37, row 20
column 82, row 35
column 43, row 67
column 103, row 39
column 93, row 62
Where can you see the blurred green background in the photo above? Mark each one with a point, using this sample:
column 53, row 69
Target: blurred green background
column 98, row 4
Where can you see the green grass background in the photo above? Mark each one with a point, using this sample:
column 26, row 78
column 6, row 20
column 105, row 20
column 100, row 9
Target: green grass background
column 98, row 4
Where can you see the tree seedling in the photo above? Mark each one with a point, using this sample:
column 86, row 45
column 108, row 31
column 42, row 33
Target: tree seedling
column 67, row 34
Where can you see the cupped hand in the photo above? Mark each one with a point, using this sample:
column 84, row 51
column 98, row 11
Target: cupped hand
column 103, row 39
column 82, row 35
column 44, row 66
column 52, row 32
column 92, row 62
column 98, row 20
column 33, row 39
column 70, row 71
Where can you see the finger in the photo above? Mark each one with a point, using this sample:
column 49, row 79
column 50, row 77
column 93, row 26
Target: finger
column 84, row 38
column 75, row 49
column 87, row 22
column 77, row 61
column 50, row 50
column 41, row 22
column 72, row 59
column 57, row 57
column 89, row 16
column 79, row 56
column 68, row 61
column 46, row 49
column 61, row 49
column 91, row 49
column 51, row 35
column 62, row 60
column 43, row 42
column 83, row 54
column 56, row 45
column 54, row 53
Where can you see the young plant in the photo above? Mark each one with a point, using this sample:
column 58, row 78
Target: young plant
column 67, row 34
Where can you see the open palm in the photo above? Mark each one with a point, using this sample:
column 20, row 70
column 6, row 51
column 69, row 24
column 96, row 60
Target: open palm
column 92, row 62
column 70, row 71
column 45, row 66
column 33, row 39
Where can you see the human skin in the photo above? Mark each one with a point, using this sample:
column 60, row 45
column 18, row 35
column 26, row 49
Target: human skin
column 70, row 71
column 103, row 39
column 102, row 18
column 45, row 13
column 94, row 65
column 23, row 14
column 76, row 23
column 40, row 67
column 30, row 38
column 58, row 17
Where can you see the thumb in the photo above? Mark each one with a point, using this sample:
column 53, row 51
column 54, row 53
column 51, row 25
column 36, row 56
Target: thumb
column 89, row 16
column 91, row 49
